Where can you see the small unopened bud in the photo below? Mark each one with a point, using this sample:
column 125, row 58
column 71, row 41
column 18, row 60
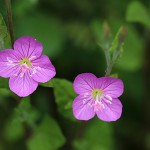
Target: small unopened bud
column 122, row 34
column 106, row 31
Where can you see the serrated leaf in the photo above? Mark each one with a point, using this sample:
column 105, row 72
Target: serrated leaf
column 47, row 136
column 64, row 95
column 137, row 12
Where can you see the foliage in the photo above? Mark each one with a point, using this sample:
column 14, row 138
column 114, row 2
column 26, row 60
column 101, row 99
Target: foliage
column 64, row 95
column 47, row 136
column 93, row 130
column 137, row 12
column 4, row 35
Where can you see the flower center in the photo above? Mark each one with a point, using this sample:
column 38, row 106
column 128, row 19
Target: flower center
column 99, row 100
column 97, row 93
column 25, row 61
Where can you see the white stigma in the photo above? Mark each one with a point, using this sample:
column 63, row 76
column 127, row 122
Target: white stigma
column 32, row 57
column 34, row 70
column 99, row 100
column 10, row 62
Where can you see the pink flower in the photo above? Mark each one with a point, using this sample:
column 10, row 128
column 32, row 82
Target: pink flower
column 25, row 66
column 97, row 96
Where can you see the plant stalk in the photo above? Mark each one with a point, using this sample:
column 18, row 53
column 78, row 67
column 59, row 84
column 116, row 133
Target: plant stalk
column 10, row 21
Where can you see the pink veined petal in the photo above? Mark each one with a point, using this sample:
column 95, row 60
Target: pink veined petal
column 9, row 60
column 111, row 112
column 28, row 47
column 81, row 110
column 42, row 70
column 22, row 86
column 111, row 86
column 84, row 83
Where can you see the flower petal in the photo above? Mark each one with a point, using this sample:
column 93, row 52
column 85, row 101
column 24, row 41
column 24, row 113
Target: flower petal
column 84, row 83
column 28, row 47
column 111, row 86
column 8, row 63
column 81, row 110
column 22, row 86
column 43, row 70
column 111, row 112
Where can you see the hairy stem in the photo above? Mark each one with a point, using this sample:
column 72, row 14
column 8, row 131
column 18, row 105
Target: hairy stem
column 109, row 69
column 10, row 21
column 109, row 63
column 107, row 57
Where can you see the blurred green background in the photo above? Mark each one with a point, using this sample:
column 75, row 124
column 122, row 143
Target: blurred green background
column 70, row 31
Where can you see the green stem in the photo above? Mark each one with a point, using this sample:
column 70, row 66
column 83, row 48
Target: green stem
column 108, row 60
column 9, row 20
column 107, row 57
column 109, row 69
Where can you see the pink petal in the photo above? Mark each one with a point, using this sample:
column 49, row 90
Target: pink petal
column 9, row 60
column 111, row 86
column 82, row 111
column 84, row 83
column 111, row 112
column 22, row 86
column 28, row 47
column 43, row 70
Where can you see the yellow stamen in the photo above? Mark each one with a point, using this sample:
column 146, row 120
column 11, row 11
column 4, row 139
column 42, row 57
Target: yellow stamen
column 97, row 92
column 25, row 61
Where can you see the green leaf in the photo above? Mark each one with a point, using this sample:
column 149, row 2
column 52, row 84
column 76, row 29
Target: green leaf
column 3, row 31
column 115, row 75
column 47, row 136
column 64, row 95
column 23, row 114
column 132, row 58
column 117, row 40
column 116, row 47
column 13, row 129
column 136, row 12
column 6, row 93
column 4, row 83
column 26, row 113
column 98, row 135
column 4, row 35
column 47, row 84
